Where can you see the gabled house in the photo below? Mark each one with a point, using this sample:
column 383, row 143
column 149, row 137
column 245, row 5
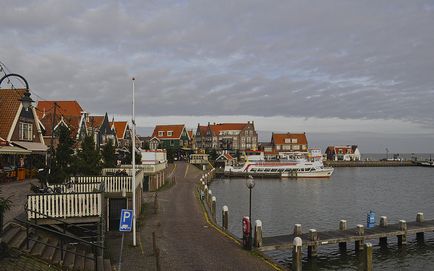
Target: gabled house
column 20, row 126
column 102, row 130
column 343, row 153
column 289, row 142
column 227, row 136
column 123, row 133
column 170, row 137
column 53, row 114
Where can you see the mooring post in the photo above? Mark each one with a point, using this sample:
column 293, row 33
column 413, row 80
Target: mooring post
column 213, row 207
column 402, row 238
column 297, row 254
column 368, row 257
column 225, row 217
column 258, row 234
column 312, row 249
column 359, row 243
column 343, row 227
column 297, row 230
column 420, row 219
column 383, row 224
column 209, row 198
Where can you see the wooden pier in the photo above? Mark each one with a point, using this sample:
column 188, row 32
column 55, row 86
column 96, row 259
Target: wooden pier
column 313, row 239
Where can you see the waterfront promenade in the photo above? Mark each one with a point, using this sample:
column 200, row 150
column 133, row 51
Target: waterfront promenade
column 185, row 240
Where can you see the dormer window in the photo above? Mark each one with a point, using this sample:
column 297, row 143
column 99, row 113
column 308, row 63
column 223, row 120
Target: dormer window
column 160, row 133
column 169, row 133
column 26, row 131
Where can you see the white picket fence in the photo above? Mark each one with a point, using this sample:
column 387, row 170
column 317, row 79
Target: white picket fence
column 64, row 205
column 78, row 187
column 112, row 184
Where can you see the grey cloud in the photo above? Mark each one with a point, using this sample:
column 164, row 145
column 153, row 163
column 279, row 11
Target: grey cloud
column 344, row 59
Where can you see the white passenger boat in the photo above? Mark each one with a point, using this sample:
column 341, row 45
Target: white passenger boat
column 308, row 165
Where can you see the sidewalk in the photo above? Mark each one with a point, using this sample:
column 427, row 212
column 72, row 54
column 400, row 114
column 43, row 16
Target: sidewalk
column 185, row 240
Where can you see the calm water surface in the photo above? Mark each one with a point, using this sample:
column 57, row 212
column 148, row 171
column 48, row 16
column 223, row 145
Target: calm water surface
column 398, row 193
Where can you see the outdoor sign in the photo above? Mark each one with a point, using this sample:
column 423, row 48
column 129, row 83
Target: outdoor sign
column 126, row 220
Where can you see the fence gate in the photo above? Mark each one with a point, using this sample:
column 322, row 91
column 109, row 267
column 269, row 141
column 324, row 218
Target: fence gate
column 115, row 207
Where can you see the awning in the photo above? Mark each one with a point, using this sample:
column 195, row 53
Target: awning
column 13, row 150
column 32, row 146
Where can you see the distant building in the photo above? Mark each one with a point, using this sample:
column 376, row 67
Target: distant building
column 289, row 142
column 102, row 130
column 343, row 153
column 123, row 133
column 169, row 137
column 227, row 136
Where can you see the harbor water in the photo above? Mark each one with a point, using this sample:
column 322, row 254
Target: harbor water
column 398, row 193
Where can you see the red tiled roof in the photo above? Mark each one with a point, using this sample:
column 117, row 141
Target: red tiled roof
column 216, row 128
column 120, row 128
column 9, row 104
column 65, row 108
column 203, row 130
column 95, row 121
column 279, row 139
column 190, row 134
column 176, row 131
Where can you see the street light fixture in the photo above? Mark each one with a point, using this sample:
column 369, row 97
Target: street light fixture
column 25, row 100
column 250, row 183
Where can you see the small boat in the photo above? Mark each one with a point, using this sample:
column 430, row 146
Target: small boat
column 289, row 165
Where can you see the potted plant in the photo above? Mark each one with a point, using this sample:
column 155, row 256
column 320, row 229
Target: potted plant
column 5, row 205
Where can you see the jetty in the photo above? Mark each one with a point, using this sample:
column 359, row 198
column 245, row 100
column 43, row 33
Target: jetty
column 329, row 163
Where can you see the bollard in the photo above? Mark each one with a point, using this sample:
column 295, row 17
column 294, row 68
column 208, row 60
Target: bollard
column 343, row 227
column 402, row 238
column 209, row 198
column 312, row 249
column 297, row 230
column 359, row 243
column 225, row 217
column 213, row 207
column 383, row 224
column 420, row 219
column 258, row 234
column 368, row 257
column 297, row 254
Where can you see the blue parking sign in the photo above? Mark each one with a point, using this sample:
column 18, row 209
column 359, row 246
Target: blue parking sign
column 126, row 220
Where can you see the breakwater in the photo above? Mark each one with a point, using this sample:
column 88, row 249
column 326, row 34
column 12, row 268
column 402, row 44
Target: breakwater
column 369, row 163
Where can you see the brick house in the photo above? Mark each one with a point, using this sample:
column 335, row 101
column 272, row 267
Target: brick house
column 289, row 142
column 343, row 153
column 227, row 136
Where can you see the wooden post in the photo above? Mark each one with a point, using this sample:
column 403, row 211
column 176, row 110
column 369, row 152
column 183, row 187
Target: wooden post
column 383, row 224
column 360, row 232
column 343, row 227
column 225, row 217
column 402, row 238
column 258, row 234
column 368, row 257
column 213, row 207
column 297, row 230
column 312, row 249
column 297, row 254
column 420, row 219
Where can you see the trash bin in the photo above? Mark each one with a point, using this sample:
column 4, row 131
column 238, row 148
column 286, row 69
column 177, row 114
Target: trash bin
column 21, row 174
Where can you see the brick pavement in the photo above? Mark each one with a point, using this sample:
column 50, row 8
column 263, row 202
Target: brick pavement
column 185, row 240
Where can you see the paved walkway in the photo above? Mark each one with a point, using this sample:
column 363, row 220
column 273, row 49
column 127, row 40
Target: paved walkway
column 17, row 191
column 183, row 236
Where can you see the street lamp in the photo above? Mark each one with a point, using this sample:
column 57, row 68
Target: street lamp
column 250, row 183
column 25, row 100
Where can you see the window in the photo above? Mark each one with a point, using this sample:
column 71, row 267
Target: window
column 26, row 131
column 287, row 140
column 169, row 133
column 294, row 140
column 160, row 133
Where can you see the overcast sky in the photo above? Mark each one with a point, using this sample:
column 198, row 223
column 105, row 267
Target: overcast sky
column 314, row 66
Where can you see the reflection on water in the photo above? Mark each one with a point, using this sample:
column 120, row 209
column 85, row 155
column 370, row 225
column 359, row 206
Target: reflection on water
column 398, row 193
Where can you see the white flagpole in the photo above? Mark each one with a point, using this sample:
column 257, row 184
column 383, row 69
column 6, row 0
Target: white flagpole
column 134, row 169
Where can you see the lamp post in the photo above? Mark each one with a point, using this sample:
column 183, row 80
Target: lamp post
column 25, row 100
column 250, row 183
column 133, row 153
